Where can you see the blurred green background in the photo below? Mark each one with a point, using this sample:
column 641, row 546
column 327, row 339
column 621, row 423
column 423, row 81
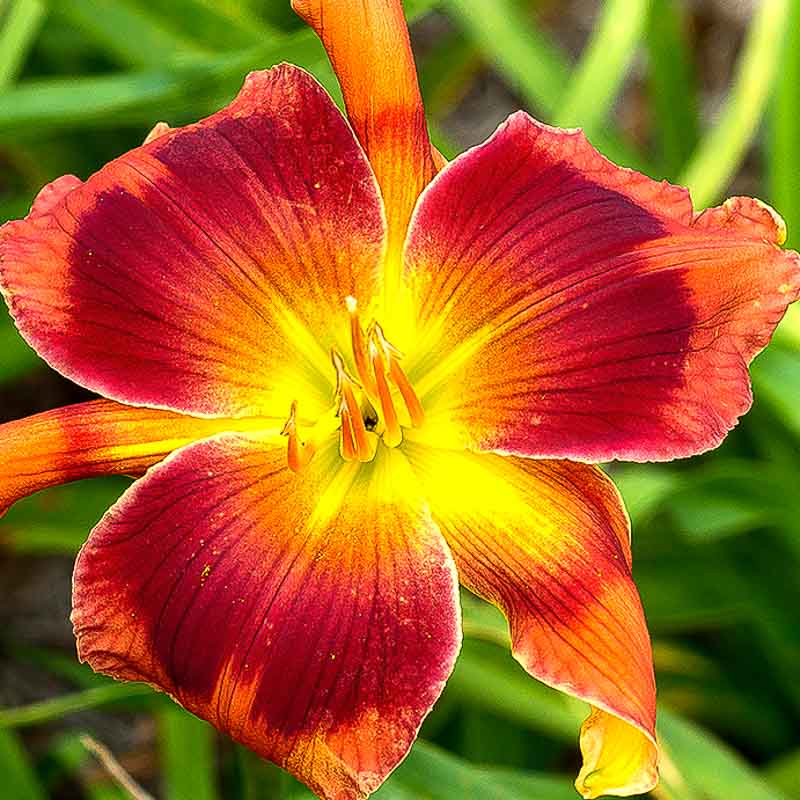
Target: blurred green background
column 702, row 92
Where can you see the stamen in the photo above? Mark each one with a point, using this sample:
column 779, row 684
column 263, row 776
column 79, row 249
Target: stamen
column 392, row 357
column 393, row 435
column 350, row 412
column 348, row 444
column 298, row 453
column 415, row 410
column 359, row 346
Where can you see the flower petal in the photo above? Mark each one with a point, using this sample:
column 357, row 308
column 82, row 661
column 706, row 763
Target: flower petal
column 313, row 616
column 571, row 308
column 205, row 271
column 548, row 542
column 100, row 437
column 367, row 42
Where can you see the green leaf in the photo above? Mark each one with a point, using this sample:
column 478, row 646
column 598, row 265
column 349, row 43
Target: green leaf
column 784, row 130
column 721, row 151
column 57, row 707
column 711, row 770
column 17, row 359
column 430, row 772
column 220, row 25
column 532, row 64
column 20, row 21
column 776, row 377
column 19, row 779
column 176, row 94
column 671, row 85
column 593, row 85
column 63, row 665
column 262, row 780
column 58, row 520
column 187, row 755
column 67, row 756
column 784, row 774
column 645, row 489
column 129, row 32
column 702, row 516
column 486, row 677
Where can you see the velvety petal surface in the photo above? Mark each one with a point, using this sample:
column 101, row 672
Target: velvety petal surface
column 207, row 270
column 312, row 616
column 367, row 42
column 548, row 542
column 571, row 308
column 100, row 437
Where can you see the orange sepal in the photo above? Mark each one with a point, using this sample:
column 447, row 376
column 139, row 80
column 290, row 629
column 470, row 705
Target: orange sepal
column 548, row 542
column 100, row 437
column 368, row 45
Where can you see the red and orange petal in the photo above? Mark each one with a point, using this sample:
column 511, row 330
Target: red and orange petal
column 548, row 542
column 204, row 271
column 314, row 616
column 571, row 308
column 368, row 45
column 100, row 437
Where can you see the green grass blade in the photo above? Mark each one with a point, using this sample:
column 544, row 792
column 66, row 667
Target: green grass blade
column 784, row 774
column 19, row 779
column 672, row 86
column 187, row 756
column 698, row 759
column 20, row 21
column 68, row 756
column 776, row 377
column 595, row 82
column 129, row 32
column 784, row 131
column 17, row 358
column 536, row 68
column 718, row 156
column 487, row 678
column 215, row 24
column 532, row 64
column 177, row 95
column 57, row 707
column 455, row 778
column 139, row 97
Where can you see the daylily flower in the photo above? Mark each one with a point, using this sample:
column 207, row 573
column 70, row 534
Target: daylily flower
column 350, row 382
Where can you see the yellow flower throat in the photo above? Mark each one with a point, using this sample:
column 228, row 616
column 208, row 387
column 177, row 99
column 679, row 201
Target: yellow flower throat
column 368, row 407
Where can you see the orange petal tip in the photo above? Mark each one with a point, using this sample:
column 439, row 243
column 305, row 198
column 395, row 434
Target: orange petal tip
column 618, row 758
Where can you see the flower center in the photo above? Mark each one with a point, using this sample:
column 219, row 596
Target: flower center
column 373, row 406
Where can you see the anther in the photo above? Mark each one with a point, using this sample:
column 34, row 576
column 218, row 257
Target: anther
column 359, row 345
column 298, row 453
column 415, row 410
column 348, row 442
column 354, row 432
column 391, row 359
column 393, row 435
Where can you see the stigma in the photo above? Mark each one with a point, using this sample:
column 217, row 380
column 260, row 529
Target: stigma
column 373, row 403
